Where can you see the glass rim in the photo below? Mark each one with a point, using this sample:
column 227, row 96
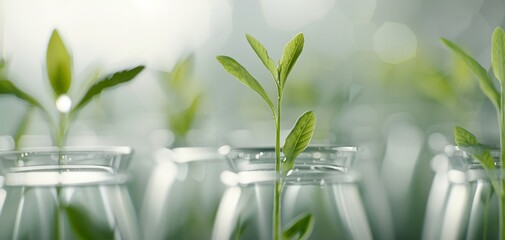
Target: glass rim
column 344, row 148
column 124, row 150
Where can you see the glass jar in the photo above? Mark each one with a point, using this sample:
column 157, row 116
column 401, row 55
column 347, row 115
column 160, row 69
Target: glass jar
column 323, row 183
column 183, row 193
column 462, row 202
column 68, row 193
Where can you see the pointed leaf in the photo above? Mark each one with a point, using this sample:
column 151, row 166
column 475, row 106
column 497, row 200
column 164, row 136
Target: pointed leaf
column 462, row 137
column 22, row 126
column 300, row 228
column 180, row 73
column 181, row 122
column 107, row 82
column 498, row 54
column 485, row 82
column 298, row 139
column 241, row 74
column 263, row 55
column 291, row 52
column 469, row 143
column 8, row 88
column 58, row 61
column 86, row 227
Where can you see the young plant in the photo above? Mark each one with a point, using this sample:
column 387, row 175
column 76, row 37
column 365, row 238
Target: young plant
column 185, row 99
column 59, row 74
column 299, row 137
column 467, row 140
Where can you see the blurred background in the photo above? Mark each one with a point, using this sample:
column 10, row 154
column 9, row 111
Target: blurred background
column 374, row 71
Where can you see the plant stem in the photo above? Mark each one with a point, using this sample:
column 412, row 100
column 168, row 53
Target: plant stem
column 501, row 192
column 278, row 174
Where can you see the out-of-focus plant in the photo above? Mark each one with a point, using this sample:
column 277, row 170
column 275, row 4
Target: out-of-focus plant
column 296, row 141
column 467, row 140
column 59, row 74
column 184, row 99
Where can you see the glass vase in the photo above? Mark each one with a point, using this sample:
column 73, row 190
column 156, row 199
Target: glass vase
column 68, row 193
column 183, row 193
column 462, row 202
column 323, row 184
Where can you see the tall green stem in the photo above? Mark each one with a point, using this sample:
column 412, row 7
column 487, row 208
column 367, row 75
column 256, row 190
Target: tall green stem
column 60, row 138
column 501, row 192
column 277, row 175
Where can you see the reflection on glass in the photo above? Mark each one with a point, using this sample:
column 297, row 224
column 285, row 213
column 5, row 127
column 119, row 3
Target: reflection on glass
column 322, row 184
column 66, row 194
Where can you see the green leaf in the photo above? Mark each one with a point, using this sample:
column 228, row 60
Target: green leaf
column 468, row 142
column 105, row 83
column 498, row 54
column 180, row 73
column 301, row 228
column 86, row 227
column 298, row 139
column 263, row 55
column 485, row 82
column 241, row 74
column 8, row 88
column 462, row 137
column 22, row 126
column 291, row 52
column 181, row 122
column 59, row 69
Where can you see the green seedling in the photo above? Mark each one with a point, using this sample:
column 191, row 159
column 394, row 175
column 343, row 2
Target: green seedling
column 467, row 140
column 299, row 137
column 59, row 74
column 184, row 99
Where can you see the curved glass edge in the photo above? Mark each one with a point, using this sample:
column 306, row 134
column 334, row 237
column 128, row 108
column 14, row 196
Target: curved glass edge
column 123, row 150
column 327, row 164
column 67, row 166
column 196, row 154
column 462, row 162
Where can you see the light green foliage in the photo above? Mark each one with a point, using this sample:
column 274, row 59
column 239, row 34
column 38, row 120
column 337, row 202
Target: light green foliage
column 498, row 54
column 240, row 73
column 291, row 52
column 263, row 55
column 84, row 226
column 59, row 72
column 8, row 88
column 298, row 140
column 462, row 137
column 301, row 134
column 468, row 141
column 59, row 65
column 300, row 228
column 184, row 98
column 106, row 82
column 485, row 81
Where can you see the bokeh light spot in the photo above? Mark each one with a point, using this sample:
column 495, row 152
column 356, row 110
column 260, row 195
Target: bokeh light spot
column 395, row 42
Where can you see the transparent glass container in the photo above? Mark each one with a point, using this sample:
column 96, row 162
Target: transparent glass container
column 72, row 193
column 323, row 183
column 462, row 203
column 183, row 193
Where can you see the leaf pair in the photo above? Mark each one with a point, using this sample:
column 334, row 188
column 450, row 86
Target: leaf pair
column 291, row 52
